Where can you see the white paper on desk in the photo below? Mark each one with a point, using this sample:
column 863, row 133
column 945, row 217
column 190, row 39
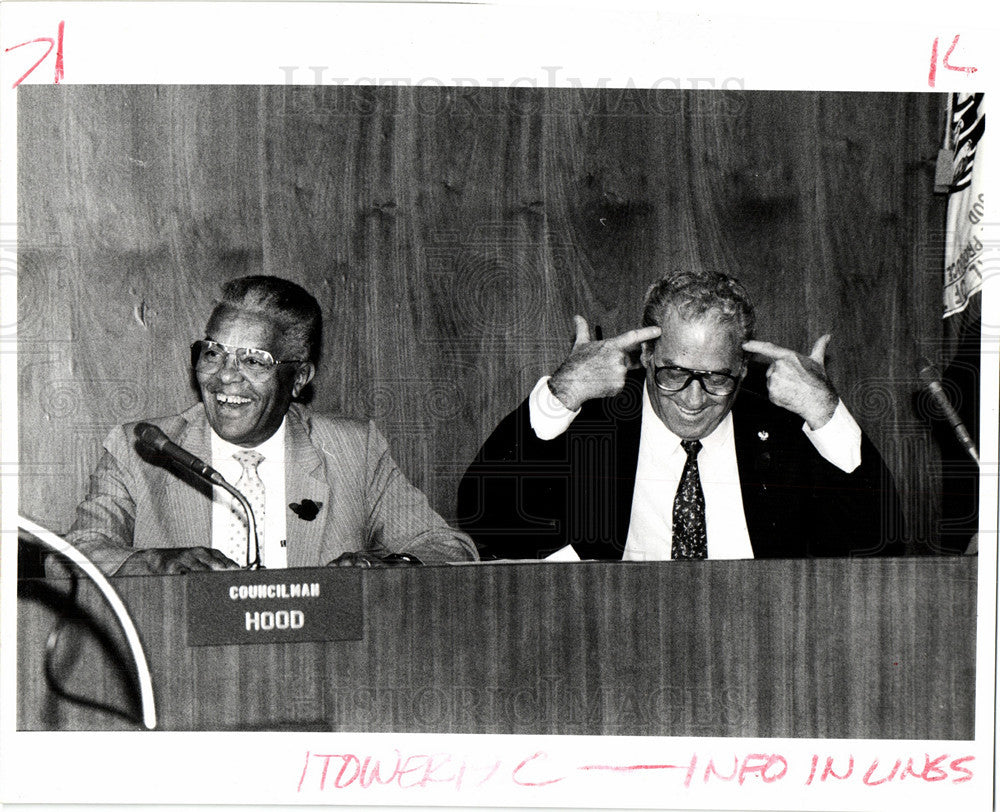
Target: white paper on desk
column 566, row 553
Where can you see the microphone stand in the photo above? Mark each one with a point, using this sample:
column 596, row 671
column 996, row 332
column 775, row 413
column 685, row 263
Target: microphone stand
column 53, row 542
column 255, row 564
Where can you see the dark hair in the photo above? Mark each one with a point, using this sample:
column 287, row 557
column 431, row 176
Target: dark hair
column 695, row 293
column 290, row 306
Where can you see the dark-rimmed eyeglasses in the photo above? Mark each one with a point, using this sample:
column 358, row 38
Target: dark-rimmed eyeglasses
column 208, row 357
column 675, row 379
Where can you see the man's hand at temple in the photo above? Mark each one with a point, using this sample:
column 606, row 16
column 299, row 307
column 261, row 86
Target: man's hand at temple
column 169, row 561
column 596, row 369
column 799, row 382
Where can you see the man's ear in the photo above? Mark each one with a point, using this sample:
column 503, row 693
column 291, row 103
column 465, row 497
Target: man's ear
column 303, row 375
column 645, row 353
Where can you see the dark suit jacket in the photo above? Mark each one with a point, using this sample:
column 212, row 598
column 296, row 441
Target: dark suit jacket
column 136, row 501
column 525, row 498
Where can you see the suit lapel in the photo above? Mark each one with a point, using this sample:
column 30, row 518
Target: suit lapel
column 756, row 465
column 611, row 496
column 304, row 479
column 193, row 511
column 629, row 431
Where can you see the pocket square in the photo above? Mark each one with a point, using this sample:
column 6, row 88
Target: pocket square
column 307, row 509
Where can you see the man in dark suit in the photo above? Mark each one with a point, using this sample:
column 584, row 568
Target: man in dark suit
column 323, row 489
column 678, row 459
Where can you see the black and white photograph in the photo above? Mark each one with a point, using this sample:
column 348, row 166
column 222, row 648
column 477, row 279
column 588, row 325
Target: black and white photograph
column 383, row 421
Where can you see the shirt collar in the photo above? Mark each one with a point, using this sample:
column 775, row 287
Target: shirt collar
column 656, row 429
column 273, row 448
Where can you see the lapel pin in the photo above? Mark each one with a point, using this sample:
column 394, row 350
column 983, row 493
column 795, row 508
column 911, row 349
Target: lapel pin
column 307, row 510
column 763, row 435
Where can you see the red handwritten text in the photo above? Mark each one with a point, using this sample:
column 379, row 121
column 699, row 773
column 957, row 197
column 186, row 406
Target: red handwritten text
column 926, row 769
column 339, row 771
column 932, row 75
column 56, row 43
column 343, row 770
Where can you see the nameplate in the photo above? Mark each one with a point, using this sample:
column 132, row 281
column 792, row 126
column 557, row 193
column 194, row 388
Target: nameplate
column 234, row 607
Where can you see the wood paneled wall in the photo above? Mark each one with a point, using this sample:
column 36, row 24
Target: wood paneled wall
column 450, row 234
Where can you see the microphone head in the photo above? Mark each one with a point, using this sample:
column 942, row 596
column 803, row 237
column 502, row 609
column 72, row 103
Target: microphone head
column 150, row 435
column 928, row 371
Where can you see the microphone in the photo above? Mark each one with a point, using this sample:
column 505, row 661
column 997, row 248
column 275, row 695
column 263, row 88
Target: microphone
column 151, row 436
column 931, row 377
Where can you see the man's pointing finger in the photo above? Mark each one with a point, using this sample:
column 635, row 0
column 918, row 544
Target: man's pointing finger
column 766, row 348
column 633, row 338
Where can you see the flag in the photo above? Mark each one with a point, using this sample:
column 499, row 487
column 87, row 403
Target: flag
column 963, row 280
column 963, row 256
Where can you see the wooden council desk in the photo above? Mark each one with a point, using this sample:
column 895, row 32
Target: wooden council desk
column 878, row 648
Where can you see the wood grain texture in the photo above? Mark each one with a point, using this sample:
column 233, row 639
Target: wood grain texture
column 450, row 234
column 827, row 649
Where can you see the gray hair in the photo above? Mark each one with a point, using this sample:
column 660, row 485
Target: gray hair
column 695, row 293
column 290, row 306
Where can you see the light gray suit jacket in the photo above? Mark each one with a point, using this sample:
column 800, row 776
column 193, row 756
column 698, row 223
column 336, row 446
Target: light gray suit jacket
column 138, row 501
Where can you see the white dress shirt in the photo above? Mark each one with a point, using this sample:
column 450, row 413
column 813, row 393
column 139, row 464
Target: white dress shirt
column 271, row 470
column 661, row 461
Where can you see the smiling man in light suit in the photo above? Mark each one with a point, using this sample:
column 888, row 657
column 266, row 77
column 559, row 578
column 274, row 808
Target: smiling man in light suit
column 326, row 489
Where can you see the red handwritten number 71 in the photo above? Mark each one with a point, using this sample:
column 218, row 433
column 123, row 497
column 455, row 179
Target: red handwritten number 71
column 53, row 43
column 968, row 71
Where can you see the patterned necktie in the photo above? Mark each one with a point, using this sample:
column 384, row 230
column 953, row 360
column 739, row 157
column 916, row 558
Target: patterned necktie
column 689, row 538
column 252, row 487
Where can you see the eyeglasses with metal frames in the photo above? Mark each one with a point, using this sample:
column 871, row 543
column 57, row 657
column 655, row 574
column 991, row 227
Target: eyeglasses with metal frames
column 210, row 356
column 675, row 379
